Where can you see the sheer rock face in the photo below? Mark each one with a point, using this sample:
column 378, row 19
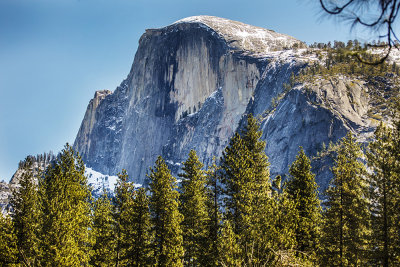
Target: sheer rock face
column 191, row 84
column 312, row 116
column 89, row 120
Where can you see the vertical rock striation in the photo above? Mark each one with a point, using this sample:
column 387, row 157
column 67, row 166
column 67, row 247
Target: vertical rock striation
column 190, row 85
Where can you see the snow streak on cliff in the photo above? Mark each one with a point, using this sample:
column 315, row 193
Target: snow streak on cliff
column 190, row 85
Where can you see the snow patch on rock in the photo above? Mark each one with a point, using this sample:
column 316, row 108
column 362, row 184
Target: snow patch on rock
column 241, row 36
column 100, row 182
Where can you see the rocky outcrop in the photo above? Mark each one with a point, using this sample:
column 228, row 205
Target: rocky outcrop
column 39, row 164
column 312, row 116
column 5, row 196
column 192, row 82
column 98, row 182
column 89, row 121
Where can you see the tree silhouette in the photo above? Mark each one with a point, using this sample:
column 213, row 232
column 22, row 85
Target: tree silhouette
column 378, row 15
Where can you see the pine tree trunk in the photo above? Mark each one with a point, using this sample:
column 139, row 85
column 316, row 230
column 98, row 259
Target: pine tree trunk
column 385, row 228
column 117, row 259
column 341, row 226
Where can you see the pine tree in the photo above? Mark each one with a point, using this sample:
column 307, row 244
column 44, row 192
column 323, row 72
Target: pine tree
column 66, row 212
column 396, row 156
column 8, row 242
column 234, row 165
column 303, row 190
column 259, row 160
column 103, row 231
column 193, row 206
column 281, row 231
column 230, row 250
column 123, row 216
column 248, row 205
column 141, row 249
column 384, row 198
column 166, row 218
column 25, row 215
column 213, row 206
column 261, row 218
column 346, row 218
column 236, row 177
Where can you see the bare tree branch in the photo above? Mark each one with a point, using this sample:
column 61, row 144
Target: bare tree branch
column 359, row 12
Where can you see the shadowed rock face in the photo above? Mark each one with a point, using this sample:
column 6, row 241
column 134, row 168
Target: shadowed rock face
column 191, row 84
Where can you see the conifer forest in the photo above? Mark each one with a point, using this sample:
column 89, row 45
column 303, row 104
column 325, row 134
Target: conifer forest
column 230, row 214
column 225, row 145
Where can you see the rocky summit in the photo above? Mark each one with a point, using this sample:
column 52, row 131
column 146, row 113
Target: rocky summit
column 192, row 83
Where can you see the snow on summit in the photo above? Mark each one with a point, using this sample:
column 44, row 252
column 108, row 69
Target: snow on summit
column 241, row 36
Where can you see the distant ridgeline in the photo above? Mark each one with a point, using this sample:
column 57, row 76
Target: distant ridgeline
column 37, row 166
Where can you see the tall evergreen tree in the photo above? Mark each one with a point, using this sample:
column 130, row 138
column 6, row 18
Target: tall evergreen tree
column 103, row 233
column 234, row 164
column 141, row 243
column 262, row 217
column 8, row 242
column 384, row 198
column 66, row 212
column 238, row 194
column 259, row 160
column 166, row 218
column 346, row 218
column 248, row 205
column 123, row 216
column 230, row 250
column 213, row 207
column 282, row 230
column 303, row 190
column 396, row 155
column 25, row 215
column 396, row 136
column 193, row 206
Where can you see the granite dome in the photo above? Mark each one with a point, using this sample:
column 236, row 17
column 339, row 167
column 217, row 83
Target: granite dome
column 192, row 83
column 244, row 37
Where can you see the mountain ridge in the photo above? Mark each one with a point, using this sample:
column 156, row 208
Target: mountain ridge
column 191, row 85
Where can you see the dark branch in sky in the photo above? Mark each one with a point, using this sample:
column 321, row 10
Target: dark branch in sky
column 378, row 15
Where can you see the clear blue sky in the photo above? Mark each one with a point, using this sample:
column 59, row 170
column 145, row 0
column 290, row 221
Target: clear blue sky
column 54, row 54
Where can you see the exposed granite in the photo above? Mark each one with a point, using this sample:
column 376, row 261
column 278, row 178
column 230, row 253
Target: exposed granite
column 192, row 83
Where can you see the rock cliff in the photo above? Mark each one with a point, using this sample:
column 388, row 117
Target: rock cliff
column 192, row 82
column 39, row 164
